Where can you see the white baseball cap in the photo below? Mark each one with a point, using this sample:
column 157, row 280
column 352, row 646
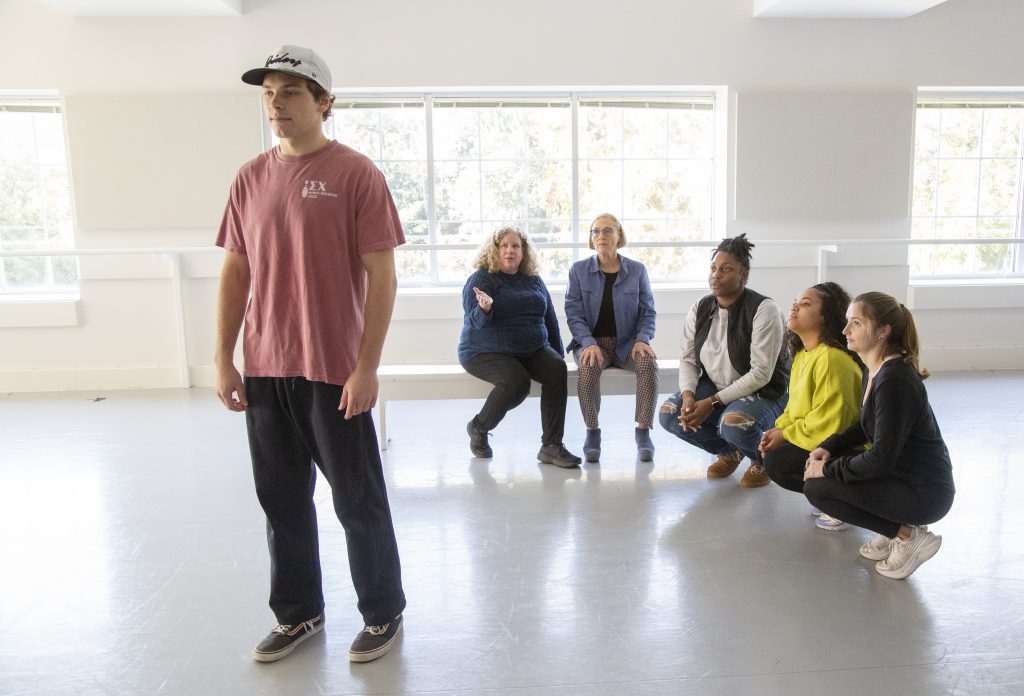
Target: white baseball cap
column 294, row 60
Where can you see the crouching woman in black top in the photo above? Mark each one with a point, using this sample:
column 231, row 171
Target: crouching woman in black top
column 905, row 480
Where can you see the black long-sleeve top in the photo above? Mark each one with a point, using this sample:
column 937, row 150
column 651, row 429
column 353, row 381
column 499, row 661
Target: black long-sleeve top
column 900, row 425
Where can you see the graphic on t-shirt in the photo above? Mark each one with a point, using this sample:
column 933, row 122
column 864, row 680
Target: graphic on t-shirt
column 316, row 189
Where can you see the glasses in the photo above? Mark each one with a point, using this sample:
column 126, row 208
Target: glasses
column 603, row 232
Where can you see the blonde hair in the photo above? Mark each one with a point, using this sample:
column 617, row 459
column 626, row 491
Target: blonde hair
column 487, row 259
column 618, row 225
column 886, row 310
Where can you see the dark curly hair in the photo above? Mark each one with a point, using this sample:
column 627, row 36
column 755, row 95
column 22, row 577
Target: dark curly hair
column 834, row 302
column 739, row 247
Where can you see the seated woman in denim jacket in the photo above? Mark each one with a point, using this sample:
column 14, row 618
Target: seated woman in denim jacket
column 510, row 336
column 733, row 369
column 609, row 307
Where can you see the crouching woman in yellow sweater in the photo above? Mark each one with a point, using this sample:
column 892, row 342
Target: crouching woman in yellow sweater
column 824, row 388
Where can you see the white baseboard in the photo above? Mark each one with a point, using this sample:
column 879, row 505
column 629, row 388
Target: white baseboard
column 84, row 380
column 973, row 358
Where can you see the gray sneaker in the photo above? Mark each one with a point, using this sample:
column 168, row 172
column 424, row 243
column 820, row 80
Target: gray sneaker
column 285, row 638
column 375, row 641
column 558, row 455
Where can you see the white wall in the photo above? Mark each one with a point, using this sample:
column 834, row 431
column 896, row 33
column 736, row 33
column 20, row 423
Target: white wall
column 158, row 122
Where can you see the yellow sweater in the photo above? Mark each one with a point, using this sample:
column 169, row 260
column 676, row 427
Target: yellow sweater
column 824, row 396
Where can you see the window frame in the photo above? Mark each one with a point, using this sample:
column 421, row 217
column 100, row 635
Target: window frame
column 44, row 101
column 951, row 97
column 715, row 97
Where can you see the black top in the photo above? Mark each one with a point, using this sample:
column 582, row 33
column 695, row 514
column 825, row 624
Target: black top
column 606, row 317
column 904, row 435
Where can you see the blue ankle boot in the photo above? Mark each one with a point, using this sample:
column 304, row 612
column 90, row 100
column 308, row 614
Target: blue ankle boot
column 592, row 445
column 644, row 446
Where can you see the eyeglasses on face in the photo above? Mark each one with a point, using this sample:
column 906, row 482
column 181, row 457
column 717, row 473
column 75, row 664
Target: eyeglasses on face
column 603, row 232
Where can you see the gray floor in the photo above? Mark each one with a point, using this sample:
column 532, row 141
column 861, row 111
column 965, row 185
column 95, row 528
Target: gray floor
column 134, row 562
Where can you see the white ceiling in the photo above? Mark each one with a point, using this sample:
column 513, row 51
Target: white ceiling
column 768, row 9
column 147, row 8
column 841, row 9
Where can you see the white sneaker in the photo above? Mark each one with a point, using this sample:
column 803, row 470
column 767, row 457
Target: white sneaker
column 830, row 524
column 877, row 549
column 815, row 512
column 907, row 555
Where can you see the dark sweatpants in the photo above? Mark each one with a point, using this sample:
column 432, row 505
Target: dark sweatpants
column 293, row 424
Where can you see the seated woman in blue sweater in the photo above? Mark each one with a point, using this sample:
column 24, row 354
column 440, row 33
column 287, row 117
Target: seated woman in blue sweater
column 510, row 336
column 610, row 310
column 905, row 481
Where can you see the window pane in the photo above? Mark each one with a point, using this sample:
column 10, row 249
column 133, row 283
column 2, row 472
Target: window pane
column 600, row 187
column 999, row 186
column 644, row 133
column 359, row 129
column 925, row 183
column 403, row 134
column 19, row 197
column 1002, row 136
column 456, row 134
column 549, row 189
column 958, row 187
column 25, row 272
column 926, row 136
column 600, row 132
column 504, row 197
column 408, row 184
column 689, row 189
column 691, row 133
column 967, row 182
column 961, row 133
column 457, row 189
column 35, row 199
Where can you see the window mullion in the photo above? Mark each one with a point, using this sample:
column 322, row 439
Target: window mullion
column 574, row 108
column 1016, row 253
column 432, row 234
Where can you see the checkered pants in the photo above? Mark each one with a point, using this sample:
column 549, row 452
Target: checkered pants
column 646, row 370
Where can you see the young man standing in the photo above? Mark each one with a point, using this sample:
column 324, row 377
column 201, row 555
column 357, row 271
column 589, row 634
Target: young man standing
column 310, row 230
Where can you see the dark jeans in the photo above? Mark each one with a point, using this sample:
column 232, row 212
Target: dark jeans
column 881, row 505
column 511, row 379
column 293, row 424
column 785, row 466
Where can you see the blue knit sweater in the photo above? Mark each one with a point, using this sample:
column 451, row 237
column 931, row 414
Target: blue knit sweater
column 522, row 319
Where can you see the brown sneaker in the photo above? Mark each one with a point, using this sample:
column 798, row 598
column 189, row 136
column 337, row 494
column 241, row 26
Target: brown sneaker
column 725, row 465
column 755, row 477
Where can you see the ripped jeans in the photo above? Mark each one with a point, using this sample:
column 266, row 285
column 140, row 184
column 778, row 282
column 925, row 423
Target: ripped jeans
column 736, row 426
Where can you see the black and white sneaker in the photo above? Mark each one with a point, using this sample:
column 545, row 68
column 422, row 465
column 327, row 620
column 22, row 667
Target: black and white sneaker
column 374, row 641
column 285, row 638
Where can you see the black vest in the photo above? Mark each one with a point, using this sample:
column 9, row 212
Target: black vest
column 741, row 328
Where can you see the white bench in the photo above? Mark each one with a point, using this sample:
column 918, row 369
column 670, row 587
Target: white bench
column 430, row 382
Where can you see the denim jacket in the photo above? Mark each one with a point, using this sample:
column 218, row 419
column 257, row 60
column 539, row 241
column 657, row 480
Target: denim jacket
column 632, row 300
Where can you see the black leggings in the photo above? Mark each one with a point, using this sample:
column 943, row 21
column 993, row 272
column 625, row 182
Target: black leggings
column 785, row 466
column 881, row 505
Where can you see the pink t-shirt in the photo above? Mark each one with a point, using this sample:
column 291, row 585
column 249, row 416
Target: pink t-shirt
column 303, row 222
